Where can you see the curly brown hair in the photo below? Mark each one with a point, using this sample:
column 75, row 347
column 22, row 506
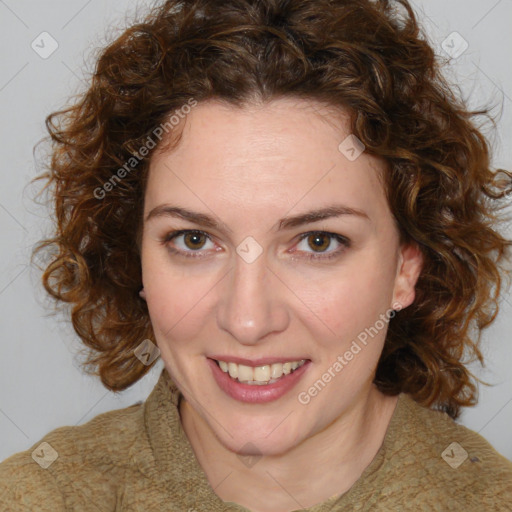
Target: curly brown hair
column 369, row 57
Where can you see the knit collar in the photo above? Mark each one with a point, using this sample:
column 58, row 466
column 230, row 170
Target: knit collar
column 178, row 469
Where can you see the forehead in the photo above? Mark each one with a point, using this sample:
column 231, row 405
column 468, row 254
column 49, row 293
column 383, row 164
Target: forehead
column 266, row 156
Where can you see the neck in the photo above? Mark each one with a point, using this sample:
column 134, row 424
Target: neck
column 330, row 461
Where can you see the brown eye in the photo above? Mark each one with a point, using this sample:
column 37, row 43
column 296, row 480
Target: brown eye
column 188, row 243
column 319, row 242
column 322, row 245
column 194, row 240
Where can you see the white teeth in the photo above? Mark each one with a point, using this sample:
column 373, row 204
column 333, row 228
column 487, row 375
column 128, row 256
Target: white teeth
column 233, row 370
column 259, row 375
column 276, row 370
column 245, row 373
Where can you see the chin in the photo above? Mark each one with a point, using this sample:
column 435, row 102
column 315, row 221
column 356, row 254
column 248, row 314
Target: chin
column 251, row 444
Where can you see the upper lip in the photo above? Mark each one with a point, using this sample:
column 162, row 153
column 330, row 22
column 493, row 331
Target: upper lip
column 262, row 361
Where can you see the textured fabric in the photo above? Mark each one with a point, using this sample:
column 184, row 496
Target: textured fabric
column 139, row 459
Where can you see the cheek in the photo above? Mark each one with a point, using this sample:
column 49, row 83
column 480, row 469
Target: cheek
column 351, row 301
column 177, row 303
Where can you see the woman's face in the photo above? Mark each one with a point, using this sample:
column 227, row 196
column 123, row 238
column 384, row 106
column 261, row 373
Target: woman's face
column 247, row 281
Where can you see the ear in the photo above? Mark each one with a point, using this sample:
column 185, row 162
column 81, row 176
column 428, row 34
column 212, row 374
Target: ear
column 409, row 268
column 142, row 293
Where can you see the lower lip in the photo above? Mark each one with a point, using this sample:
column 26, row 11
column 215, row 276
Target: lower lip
column 256, row 394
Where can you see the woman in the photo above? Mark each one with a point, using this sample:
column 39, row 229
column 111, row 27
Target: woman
column 285, row 202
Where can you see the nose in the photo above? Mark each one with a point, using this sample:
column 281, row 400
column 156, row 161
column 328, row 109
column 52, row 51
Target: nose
column 251, row 305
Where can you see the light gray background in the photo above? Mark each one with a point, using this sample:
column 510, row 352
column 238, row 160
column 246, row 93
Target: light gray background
column 41, row 386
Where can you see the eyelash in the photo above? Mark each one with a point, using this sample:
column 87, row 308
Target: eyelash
column 345, row 244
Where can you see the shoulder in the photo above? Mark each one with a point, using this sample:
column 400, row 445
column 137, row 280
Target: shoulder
column 453, row 464
column 70, row 462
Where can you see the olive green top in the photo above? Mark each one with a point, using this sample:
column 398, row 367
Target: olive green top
column 139, row 459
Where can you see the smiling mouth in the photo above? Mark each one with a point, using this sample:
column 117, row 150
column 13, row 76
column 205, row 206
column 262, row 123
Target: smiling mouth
column 259, row 375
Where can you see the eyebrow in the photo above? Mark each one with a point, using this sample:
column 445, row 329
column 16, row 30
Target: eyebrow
column 202, row 219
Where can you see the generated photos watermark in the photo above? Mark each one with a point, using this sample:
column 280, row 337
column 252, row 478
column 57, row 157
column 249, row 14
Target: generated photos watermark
column 304, row 397
column 45, row 455
column 150, row 143
column 147, row 352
